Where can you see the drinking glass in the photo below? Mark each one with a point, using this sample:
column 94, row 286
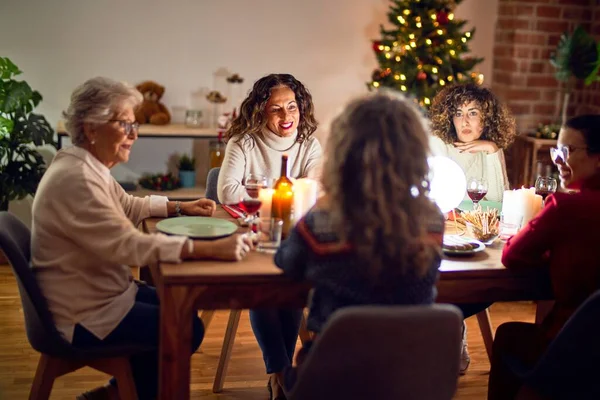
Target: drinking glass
column 477, row 188
column 253, row 183
column 509, row 226
column 545, row 186
column 269, row 234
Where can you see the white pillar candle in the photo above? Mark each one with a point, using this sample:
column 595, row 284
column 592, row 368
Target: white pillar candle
column 266, row 200
column 305, row 196
column 521, row 203
column 509, row 202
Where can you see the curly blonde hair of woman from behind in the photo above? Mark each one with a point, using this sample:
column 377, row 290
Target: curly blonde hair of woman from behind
column 377, row 177
column 252, row 111
column 498, row 123
column 96, row 101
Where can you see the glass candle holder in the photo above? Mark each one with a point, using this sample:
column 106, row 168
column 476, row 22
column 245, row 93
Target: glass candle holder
column 193, row 118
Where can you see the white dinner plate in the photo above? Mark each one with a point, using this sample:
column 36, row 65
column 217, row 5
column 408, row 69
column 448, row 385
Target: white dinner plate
column 455, row 239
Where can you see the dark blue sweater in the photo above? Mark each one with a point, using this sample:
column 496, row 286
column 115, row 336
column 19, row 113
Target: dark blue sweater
column 314, row 252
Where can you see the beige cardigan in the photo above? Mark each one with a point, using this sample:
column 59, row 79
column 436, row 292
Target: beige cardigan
column 261, row 154
column 84, row 238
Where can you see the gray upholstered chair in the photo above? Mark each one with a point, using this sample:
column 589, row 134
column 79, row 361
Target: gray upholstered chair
column 569, row 367
column 58, row 357
column 211, row 184
column 383, row 352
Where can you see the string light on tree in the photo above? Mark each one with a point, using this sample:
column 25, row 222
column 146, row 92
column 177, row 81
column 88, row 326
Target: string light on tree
column 423, row 49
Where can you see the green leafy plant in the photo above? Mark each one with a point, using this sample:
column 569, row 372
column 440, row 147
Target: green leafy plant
column 547, row 131
column 577, row 57
column 186, row 163
column 160, row 182
column 21, row 165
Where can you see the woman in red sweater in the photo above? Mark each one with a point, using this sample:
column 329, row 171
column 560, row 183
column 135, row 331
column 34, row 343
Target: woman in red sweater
column 563, row 238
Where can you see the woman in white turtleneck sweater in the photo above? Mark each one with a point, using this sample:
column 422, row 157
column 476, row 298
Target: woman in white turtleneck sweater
column 472, row 127
column 275, row 119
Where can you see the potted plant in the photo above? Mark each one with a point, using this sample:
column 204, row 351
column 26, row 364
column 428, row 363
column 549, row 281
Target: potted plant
column 21, row 165
column 577, row 57
column 160, row 182
column 187, row 171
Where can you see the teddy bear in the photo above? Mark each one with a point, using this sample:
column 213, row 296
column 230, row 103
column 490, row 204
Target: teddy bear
column 152, row 110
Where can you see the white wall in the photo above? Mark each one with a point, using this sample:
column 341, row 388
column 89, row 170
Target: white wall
column 181, row 43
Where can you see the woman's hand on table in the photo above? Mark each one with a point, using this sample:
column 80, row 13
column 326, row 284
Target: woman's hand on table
column 203, row 207
column 486, row 146
column 232, row 248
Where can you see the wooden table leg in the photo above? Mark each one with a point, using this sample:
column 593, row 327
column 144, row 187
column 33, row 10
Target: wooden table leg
column 176, row 313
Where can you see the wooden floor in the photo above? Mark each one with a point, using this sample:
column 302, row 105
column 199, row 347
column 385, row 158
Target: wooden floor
column 246, row 378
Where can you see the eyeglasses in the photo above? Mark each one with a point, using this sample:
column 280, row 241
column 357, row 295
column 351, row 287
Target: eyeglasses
column 563, row 152
column 127, row 126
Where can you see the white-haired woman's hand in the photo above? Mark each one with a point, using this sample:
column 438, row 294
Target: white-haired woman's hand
column 233, row 248
column 203, row 207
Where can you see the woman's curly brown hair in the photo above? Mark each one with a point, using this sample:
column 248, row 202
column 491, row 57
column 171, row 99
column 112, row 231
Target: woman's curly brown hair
column 498, row 123
column 377, row 177
column 251, row 119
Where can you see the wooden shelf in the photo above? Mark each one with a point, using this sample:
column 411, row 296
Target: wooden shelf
column 538, row 141
column 177, row 194
column 175, row 131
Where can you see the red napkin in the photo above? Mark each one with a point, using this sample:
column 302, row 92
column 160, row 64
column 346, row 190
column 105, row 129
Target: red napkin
column 234, row 211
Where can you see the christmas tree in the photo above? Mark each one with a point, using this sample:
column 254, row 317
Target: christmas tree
column 422, row 52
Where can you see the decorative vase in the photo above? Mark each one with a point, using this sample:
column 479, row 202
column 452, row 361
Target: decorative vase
column 187, row 178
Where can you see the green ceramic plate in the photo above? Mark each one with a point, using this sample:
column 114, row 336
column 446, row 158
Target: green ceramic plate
column 197, row 227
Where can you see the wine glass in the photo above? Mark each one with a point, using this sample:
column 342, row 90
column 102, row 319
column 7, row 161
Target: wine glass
column 545, row 186
column 253, row 183
column 250, row 205
column 477, row 188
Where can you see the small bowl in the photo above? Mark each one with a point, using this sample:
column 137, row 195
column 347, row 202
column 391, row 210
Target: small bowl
column 476, row 233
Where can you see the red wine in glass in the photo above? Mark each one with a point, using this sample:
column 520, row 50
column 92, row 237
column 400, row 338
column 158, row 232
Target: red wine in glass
column 544, row 193
column 476, row 195
column 250, row 205
column 545, row 186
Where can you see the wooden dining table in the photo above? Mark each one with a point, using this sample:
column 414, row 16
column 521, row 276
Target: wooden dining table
column 255, row 282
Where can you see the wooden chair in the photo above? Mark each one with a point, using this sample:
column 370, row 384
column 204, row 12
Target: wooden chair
column 58, row 357
column 230, row 331
column 487, row 331
column 384, row 353
column 234, row 315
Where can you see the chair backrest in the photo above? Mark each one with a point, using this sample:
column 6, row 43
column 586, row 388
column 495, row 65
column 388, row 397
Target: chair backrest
column 211, row 184
column 377, row 352
column 574, row 356
column 15, row 241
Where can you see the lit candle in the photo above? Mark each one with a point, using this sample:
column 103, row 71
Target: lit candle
column 266, row 200
column 521, row 203
column 305, row 196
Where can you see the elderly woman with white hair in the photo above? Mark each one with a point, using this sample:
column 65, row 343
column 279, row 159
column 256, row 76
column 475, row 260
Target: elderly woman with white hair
column 84, row 236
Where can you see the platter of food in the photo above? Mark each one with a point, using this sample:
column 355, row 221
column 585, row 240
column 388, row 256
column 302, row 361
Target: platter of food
column 459, row 246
